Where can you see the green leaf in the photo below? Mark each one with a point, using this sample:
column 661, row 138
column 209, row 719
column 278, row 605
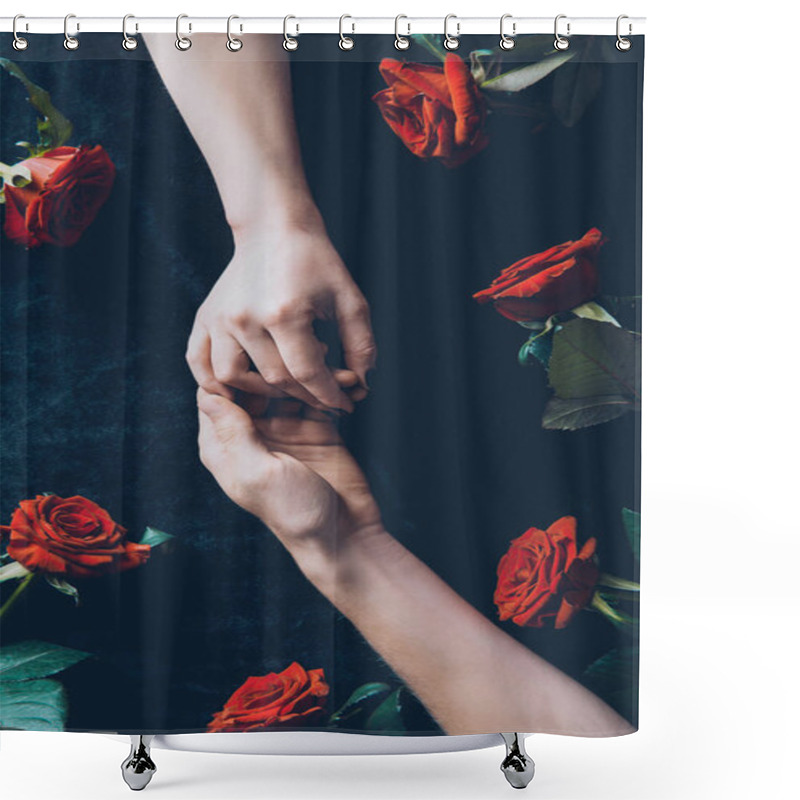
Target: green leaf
column 608, row 604
column 632, row 522
column 612, row 670
column 154, row 537
column 34, row 659
column 538, row 347
column 11, row 570
column 430, row 43
column 574, row 87
column 521, row 78
column 593, row 359
column 614, row 678
column 387, row 717
column 355, row 702
column 575, row 413
column 592, row 310
column 481, row 71
column 39, row 705
column 64, row 587
column 54, row 128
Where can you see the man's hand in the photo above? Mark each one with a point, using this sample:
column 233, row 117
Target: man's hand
column 260, row 313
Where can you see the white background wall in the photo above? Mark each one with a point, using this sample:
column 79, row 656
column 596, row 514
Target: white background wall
column 720, row 544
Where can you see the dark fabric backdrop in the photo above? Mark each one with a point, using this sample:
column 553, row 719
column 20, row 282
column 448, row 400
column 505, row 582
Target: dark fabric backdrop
column 97, row 399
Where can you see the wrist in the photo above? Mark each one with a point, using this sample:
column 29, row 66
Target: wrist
column 333, row 566
column 293, row 210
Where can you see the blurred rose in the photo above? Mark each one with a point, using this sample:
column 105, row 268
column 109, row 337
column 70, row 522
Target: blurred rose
column 294, row 697
column 68, row 186
column 438, row 112
column 543, row 578
column 556, row 280
column 71, row 537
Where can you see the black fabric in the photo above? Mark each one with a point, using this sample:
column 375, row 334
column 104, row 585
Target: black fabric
column 97, row 399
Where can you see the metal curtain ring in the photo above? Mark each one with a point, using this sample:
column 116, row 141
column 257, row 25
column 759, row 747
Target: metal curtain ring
column 182, row 42
column 70, row 42
column 507, row 42
column 19, row 43
column 401, row 42
column 289, row 43
column 233, row 44
column 345, row 42
column 128, row 42
column 451, row 42
column 561, row 43
column 622, row 43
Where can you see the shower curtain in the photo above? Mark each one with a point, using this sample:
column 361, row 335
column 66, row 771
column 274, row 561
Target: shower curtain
column 405, row 499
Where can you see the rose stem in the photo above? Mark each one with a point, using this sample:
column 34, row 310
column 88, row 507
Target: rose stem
column 617, row 583
column 604, row 608
column 17, row 592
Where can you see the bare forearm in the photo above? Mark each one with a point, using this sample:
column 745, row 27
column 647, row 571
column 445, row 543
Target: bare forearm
column 238, row 107
column 471, row 675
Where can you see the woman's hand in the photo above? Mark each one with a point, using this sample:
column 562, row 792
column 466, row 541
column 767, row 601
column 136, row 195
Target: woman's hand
column 261, row 310
column 290, row 468
column 286, row 463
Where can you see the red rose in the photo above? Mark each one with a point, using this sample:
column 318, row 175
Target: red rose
column 68, row 186
column 290, row 698
column 437, row 112
column 556, row 280
column 70, row 536
column 543, row 577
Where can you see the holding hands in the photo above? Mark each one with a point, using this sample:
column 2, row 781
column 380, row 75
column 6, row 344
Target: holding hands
column 261, row 313
column 277, row 452
column 285, row 462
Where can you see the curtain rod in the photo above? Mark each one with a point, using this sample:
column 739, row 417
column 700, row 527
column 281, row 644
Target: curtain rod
column 302, row 24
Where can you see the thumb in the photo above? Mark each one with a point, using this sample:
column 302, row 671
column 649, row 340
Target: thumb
column 358, row 341
column 230, row 423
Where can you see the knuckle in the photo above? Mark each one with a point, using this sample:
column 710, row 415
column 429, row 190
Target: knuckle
column 207, row 382
column 280, row 380
column 306, row 374
column 285, row 313
column 238, row 319
column 226, row 373
column 360, row 309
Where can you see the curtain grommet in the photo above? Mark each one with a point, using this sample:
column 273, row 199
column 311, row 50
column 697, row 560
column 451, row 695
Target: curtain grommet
column 20, row 43
column 70, row 42
column 401, row 42
column 128, row 42
column 451, row 42
column 289, row 42
column 623, row 44
column 233, row 44
column 182, row 42
column 561, row 42
column 507, row 42
column 346, row 42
